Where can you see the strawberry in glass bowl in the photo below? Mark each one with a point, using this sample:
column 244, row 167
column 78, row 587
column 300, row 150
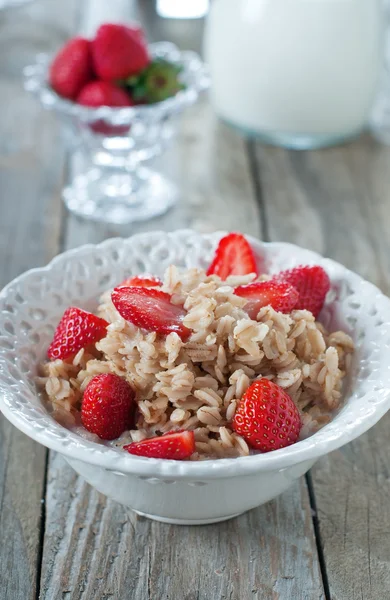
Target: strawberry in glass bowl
column 118, row 96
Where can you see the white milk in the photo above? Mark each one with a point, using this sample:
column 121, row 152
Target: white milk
column 299, row 72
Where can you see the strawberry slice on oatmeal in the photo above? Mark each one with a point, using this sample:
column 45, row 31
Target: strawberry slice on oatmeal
column 202, row 364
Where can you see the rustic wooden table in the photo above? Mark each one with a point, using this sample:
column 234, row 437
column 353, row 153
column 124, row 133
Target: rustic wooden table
column 329, row 535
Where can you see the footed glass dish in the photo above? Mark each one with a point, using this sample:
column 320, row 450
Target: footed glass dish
column 114, row 186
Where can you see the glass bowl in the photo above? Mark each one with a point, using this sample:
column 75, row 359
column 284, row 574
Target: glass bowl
column 113, row 185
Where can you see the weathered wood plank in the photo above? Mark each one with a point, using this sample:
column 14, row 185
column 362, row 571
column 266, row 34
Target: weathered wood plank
column 95, row 548
column 338, row 202
column 30, row 175
column 22, row 469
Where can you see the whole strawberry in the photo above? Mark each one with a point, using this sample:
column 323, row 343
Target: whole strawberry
column 71, row 68
column 103, row 93
column 119, row 51
column 175, row 445
column 108, row 406
column 266, row 417
column 312, row 284
column 76, row 330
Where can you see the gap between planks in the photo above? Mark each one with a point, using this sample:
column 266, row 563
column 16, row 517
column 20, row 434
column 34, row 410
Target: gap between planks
column 256, row 177
column 29, row 158
column 337, row 202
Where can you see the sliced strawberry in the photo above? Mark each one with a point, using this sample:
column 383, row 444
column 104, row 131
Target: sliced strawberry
column 150, row 309
column 312, row 283
column 233, row 256
column 108, row 406
column 147, row 281
column 281, row 296
column 173, row 445
column 266, row 417
column 77, row 329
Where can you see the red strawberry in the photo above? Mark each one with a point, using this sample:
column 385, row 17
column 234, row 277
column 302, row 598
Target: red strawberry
column 71, row 68
column 175, row 445
column 266, row 417
column 119, row 52
column 147, row 281
column 137, row 31
column 77, row 329
column 103, row 93
column 108, row 406
column 150, row 309
column 312, row 283
column 281, row 296
column 233, row 256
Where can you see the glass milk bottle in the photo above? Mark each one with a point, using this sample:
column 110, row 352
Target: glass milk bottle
column 296, row 73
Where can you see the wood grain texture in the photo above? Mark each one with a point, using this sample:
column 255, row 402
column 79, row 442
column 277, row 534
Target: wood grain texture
column 96, row 549
column 31, row 163
column 22, row 470
column 337, row 202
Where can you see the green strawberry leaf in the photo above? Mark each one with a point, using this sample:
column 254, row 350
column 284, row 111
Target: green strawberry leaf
column 157, row 82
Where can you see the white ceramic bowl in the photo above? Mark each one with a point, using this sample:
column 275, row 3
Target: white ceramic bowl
column 174, row 491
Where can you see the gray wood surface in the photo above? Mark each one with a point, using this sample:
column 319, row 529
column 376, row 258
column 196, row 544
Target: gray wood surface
column 337, row 202
column 95, row 548
column 325, row 538
column 31, row 163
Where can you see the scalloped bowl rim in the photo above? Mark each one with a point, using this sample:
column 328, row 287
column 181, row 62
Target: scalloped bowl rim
column 117, row 115
column 309, row 449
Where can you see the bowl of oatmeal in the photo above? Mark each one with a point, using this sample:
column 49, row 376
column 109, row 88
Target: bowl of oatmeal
column 192, row 377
